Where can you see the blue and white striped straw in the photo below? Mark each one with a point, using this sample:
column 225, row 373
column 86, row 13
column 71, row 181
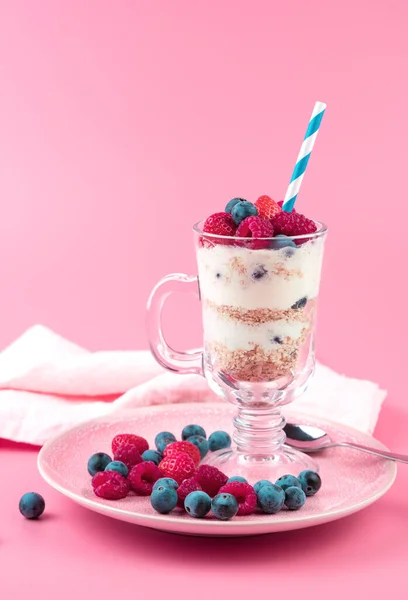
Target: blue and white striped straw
column 304, row 155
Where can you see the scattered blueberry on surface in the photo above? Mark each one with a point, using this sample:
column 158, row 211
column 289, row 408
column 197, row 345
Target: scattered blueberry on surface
column 271, row 498
column 224, row 506
column 152, row 456
column 31, row 505
column 259, row 484
column 232, row 203
column 237, row 478
column 295, row 498
column 165, row 482
column 163, row 439
column 242, row 210
column 118, row 466
column 192, row 429
column 197, row 504
column 300, row 303
column 164, row 499
column 200, row 442
column 310, row 482
column 288, row 481
column 98, row 462
column 219, row 440
column 259, row 272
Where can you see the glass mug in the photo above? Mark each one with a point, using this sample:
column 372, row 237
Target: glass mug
column 259, row 312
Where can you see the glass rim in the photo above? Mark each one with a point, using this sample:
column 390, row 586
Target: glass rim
column 321, row 230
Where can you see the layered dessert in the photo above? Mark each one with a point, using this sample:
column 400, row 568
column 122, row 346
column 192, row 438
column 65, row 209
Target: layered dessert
column 259, row 273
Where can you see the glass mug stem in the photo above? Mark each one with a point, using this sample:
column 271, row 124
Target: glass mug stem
column 259, row 432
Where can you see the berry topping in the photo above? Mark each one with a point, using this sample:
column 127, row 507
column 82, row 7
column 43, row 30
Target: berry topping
column 152, row 456
column 110, row 485
column 224, row 507
column 219, row 440
column 244, row 495
column 300, row 303
column 220, row 223
column 31, row 505
column 124, row 439
column 258, row 273
column 200, row 442
column 178, row 467
column 197, row 504
column 163, row 499
column 232, row 203
column 295, row 498
column 118, row 467
column 183, row 448
column 129, row 455
column 292, row 224
column 255, row 227
column 288, row 481
column 210, row 479
column 270, row 498
column 194, row 429
column 188, row 486
column 310, row 482
column 242, row 210
column 163, row 439
column 267, row 208
column 98, row 462
column 143, row 476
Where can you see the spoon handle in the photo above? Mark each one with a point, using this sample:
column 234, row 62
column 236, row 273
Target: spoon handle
column 382, row 453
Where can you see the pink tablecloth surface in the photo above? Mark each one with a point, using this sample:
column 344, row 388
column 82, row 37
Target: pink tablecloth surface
column 72, row 552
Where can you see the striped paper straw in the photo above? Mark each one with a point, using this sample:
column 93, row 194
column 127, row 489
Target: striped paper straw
column 304, row 155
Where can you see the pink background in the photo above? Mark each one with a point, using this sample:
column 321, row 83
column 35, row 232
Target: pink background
column 122, row 123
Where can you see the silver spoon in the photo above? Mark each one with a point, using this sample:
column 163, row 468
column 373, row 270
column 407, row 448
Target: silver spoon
column 312, row 439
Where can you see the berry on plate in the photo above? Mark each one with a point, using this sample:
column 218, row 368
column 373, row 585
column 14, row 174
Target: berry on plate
column 219, row 440
column 163, row 439
column 210, row 478
column 110, row 485
column 118, row 467
column 220, row 223
column 193, row 429
column 152, row 456
column 270, row 498
column 224, row 506
column 163, row 499
column 183, row 448
column 129, row 455
column 166, row 482
column 256, row 228
column 143, row 476
column 242, row 210
column 98, row 462
column 267, row 208
column 124, row 439
column 178, row 467
column 310, row 482
column 261, row 483
column 188, row 486
column 197, row 504
column 292, row 224
column 200, row 442
column 295, row 498
column 237, row 478
column 288, row 481
column 244, row 495
column 31, row 505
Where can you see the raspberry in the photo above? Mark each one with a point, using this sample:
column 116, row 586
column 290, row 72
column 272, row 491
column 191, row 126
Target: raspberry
column 292, row 224
column 129, row 455
column 124, row 439
column 178, row 467
column 110, row 485
column 183, row 448
column 188, row 486
column 142, row 477
column 267, row 208
column 220, row 223
column 244, row 494
column 255, row 227
column 211, row 479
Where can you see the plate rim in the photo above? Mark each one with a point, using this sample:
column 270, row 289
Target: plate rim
column 149, row 520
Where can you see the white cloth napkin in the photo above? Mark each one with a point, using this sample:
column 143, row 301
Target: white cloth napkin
column 49, row 384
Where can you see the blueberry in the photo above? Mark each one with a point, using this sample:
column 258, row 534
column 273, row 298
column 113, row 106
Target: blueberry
column 190, row 430
column 237, row 478
column 300, row 303
column 98, row 462
column 152, row 456
column 295, row 498
column 224, row 506
column 200, row 442
column 282, row 241
column 259, row 484
column 31, row 505
column 163, row 499
column 310, row 482
column 197, row 504
column 242, row 210
column 117, row 466
column 219, row 440
column 232, row 203
column 288, row 481
column 271, row 498
column 163, row 439
column 217, row 276
column 259, row 272
column 277, row 339
column 165, row 482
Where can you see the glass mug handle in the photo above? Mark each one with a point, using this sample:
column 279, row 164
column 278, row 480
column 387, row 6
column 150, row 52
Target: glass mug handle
column 173, row 360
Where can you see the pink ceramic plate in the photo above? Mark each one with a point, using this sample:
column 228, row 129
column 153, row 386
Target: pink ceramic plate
column 351, row 480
